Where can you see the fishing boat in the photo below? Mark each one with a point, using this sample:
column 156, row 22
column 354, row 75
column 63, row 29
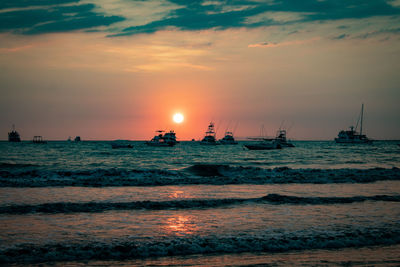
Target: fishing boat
column 160, row 139
column 37, row 139
column 209, row 138
column 228, row 139
column 77, row 139
column 351, row 136
column 281, row 138
column 13, row 136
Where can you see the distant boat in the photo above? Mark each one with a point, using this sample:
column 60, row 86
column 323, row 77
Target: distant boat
column 160, row 139
column 209, row 138
column 77, row 139
column 281, row 139
column 351, row 136
column 228, row 139
column 37, row 139
column 13, row 136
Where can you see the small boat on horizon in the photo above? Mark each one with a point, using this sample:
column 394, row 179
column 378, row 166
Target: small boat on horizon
column 13, row 136
column 228, row 139
column 77, row 139
column 38, row 139
column 160, row 139
column 209, row 138
column 351, row 136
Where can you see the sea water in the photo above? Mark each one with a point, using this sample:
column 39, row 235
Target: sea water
column 84, row 203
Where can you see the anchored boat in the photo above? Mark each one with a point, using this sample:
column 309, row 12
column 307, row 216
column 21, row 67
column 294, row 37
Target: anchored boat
column 228, row 139
column 13, row 136
column 351, row 136
column 209, row 138
column 38, row 139
column 160, row 139
column 264, row 144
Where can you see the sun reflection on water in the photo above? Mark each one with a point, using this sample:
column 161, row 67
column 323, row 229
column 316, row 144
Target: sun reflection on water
column 181, row 225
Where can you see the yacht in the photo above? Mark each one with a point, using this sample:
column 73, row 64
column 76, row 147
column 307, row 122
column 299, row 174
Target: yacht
column 351, row 136
column 228, row 139
column 160, row 139
column 209, row 138
column 13, row 136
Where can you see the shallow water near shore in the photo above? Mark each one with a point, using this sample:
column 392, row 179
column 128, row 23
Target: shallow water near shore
column 84, row 203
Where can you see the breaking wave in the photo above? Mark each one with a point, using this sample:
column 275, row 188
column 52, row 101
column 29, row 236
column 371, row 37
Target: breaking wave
column 276, row 199
column 267, row 241
column 213, row 174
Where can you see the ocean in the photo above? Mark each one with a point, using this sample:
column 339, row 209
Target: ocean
column 86, row 204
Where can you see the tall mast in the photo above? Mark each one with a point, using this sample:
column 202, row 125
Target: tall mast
column 362, row 113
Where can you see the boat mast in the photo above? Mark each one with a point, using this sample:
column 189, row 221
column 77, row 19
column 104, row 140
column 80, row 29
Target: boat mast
column 362, row 112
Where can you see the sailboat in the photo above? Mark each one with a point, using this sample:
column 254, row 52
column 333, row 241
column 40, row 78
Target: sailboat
column 351, row 136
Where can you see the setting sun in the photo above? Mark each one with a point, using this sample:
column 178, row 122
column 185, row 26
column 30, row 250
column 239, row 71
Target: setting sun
column 178, row 118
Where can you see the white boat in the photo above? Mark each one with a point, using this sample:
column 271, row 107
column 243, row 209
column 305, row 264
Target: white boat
column 228, row 139
column 160, row 139
column 351, row 136
column 209, row 138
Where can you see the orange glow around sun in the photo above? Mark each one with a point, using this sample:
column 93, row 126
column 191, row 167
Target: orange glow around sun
column 178, row 118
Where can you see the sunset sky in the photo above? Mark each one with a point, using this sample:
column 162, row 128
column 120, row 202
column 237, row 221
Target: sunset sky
column 121, row 69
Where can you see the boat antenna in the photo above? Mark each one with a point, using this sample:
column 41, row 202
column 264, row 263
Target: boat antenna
column 234, row 129
column 262, row 130
column 227, row 127
column 359, row 117
column 280, row 127
column 219, row 124
column 362, row 113
column 287, row 131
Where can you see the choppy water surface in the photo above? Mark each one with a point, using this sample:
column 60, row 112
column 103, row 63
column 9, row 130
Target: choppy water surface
column 84, row 203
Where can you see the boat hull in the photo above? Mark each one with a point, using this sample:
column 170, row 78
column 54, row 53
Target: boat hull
column 352, row 141
column 160, row 144
column 263, row 146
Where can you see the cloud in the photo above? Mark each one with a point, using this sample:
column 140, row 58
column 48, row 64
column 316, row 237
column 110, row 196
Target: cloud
column 31, row 3
column 202, row 15
column 340, row 37
column 295, row 42
column 138, row 16
column 14, row 49
column 55, row 18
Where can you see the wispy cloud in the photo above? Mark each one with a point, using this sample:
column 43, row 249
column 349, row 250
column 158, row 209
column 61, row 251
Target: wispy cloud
column 295, row 42
column 14, row 49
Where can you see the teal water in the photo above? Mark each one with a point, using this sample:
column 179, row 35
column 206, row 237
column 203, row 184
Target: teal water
column 67, row 203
